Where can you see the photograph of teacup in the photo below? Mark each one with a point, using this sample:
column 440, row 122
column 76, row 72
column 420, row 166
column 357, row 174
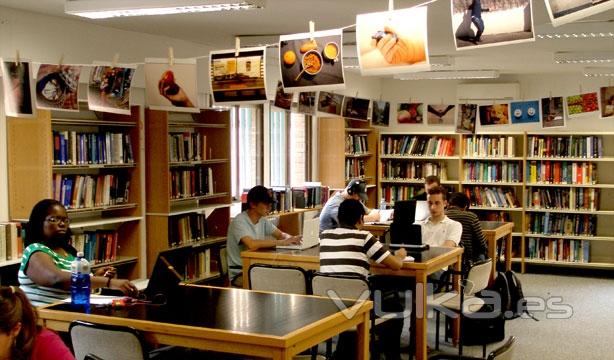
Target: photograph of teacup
column 331, row 51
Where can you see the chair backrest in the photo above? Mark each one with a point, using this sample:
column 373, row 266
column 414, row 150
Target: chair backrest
column 341, row 286
column 478, row 277
column 505, row 352
column 105, row 341
column 278, row 278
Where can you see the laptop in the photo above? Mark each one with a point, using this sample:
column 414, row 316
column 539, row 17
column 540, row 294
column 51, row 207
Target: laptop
column 164, row 279
column 404, row 230
column 311, row 229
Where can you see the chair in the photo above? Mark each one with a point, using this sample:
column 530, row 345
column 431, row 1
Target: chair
column 278, row 278
column 106, row 342
column 476, row 280
column 504, row 352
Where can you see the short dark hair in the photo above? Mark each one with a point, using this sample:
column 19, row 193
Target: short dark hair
column 459, row 200
column 439, row 190
column 350, row 212
column 432, row 179
column 259, row 194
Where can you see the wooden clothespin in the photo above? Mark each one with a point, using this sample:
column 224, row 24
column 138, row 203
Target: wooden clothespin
column 17, row 61
column 441, row 102
column 312, row 29
column 380, row 97
column 171, row 56
column 61, row 61
column 115, row 60
column 580, row 88
column 237, row 45
column 390, row 5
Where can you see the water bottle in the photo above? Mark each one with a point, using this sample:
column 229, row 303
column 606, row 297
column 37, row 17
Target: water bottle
column 382, row 204
column 80, row 285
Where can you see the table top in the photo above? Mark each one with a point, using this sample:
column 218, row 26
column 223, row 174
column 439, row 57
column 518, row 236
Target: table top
column 227, row 309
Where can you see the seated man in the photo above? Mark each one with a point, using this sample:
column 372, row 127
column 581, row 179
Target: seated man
column 472, row 239
column 438, row 229
column 357, row 190
column 429, row 182
column 346, row 250
column 249, row 231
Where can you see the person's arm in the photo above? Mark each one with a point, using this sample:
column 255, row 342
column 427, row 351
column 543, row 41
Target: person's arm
column 478, row 236
column 395, row 261
column 255, row 244
column 454, row 234
column 372, row 215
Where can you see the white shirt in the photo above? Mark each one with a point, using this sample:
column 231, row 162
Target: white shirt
column 436, row 234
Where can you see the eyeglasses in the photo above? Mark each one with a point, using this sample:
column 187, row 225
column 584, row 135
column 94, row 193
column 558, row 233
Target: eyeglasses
column 57, row 220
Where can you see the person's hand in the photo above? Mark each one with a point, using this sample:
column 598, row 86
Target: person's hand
column 174, row 93
column 124, row 286
column 292, row 240
column 400, row 253
column 400, row 50
column 107, row 271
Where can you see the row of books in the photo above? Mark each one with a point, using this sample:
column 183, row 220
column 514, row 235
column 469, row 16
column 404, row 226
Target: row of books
column 356, row 144
column 563, row 224
column 561, row 172
column 565, row 146
column 412, row 169
column 97, row 246
column 184, row 229
column 11, row 241
column 191, row 182
column 500, row 171
column 559, row 250
column 354, row 168
column 417, row 145
column 563, row 198
column 492, row 196
column 283, row 198
column 88, row 191
column 200, row 265
column 187, row 146
column 76, row 148
column 495, row 146
column 392, row 193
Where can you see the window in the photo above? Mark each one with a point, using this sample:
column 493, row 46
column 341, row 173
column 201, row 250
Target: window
column 289, row 148
column 246, row 148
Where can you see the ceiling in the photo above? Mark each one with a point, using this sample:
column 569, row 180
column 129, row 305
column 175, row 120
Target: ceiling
column 291, row 16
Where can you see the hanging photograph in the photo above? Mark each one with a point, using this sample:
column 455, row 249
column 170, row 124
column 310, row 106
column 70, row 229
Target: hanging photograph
column 380, row 113
column 465, row 119
column 440, row 114
column 330, row 103
column 582, row 104
column 171, row 87
column 552, row 112
column 57, row 87
column 312, row 61
column 410, row 113
column 606, row 97
column 238, row 78
column 497, row 114
column 392, row 42
column 480, row 23
column 109, row 89
column 283, row 100
column 356, row 108
column 565, row 11
column 18, row 90
column 307, row 102
column 524, row 112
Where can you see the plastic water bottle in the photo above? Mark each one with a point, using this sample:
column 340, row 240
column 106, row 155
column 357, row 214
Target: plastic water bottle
column 80, row 283
column 382, row 204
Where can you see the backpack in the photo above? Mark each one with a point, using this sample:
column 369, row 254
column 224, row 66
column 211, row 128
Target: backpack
column 513, row 303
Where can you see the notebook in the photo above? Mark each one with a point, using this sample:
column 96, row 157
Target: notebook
column 311, row 229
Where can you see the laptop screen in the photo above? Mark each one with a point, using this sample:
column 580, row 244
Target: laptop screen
column 164, row 278
column 403, row 230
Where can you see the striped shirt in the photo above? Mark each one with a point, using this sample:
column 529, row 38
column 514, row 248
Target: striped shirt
column 347, row 251
column 41, row 295
column 472, row 238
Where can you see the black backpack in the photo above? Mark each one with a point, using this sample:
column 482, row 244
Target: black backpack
column 513, row 303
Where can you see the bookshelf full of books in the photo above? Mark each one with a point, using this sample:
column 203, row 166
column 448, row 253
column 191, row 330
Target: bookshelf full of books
column 569, row 193
column 354, row 158
column 188, row 190
column 406, row 159
column 89, row 162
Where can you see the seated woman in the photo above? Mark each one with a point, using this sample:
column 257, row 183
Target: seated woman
column 44, row 274
column 20, row 337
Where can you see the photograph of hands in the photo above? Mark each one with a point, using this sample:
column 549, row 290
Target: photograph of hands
column 171, row 87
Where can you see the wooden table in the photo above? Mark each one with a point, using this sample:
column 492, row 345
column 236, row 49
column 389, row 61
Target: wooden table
column 427, row 262
column 236, row 321
column 377, row 229
column 493, row 231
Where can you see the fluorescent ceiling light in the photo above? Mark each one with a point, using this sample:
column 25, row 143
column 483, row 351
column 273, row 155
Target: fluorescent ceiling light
column 94, row 9
column 449, row 75
column 599, row 72
column 582, row 35
column 584, row 57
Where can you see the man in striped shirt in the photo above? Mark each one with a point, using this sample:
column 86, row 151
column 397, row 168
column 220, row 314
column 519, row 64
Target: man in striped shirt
column 472, row 238
column 347, row 250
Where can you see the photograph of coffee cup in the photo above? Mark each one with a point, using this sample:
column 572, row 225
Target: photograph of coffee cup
column 331, row 51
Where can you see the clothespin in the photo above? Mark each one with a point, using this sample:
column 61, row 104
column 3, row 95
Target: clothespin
column 171, row 56
column 390, row 5
column 115, row 60
column 17, row 61
column 441, row 101
column 61, row 61
column 237, row 45
column 580, row 86
column 380, row 96
column 550, row 95
column 312, row 27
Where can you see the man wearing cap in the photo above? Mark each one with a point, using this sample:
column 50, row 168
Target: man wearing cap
column 357, row 190
column 251, row 230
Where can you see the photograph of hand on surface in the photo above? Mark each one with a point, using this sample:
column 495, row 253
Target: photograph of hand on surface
column 311, row 61
column 171, row 87
column 440, row 114
column 389, row 43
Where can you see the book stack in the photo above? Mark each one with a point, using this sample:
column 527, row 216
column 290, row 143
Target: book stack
column 561, row 172
column 283, row 198
column 562, row 224
column 563, row 198
column 184, row 229
column 416, row 170
column 97, row 246
column 187, row 146
column 76, row 148
column 489, row 146
column 88, row 191
column 11, row 241
column 354, row 168
column 200, row 266
column 500, row 171
column 309, row 196
column 559, row 250
column 392, row 193
column 492, row 197
column 191, row 182
column 409, row 145
column 565, row 146
column 356, row 144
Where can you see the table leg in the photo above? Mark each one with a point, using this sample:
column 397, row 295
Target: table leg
column 281, row 355
column 492, row 254
column 508, row 252
column 456, row 286
column 246, row 263
column 362, row 338
column 421, row 315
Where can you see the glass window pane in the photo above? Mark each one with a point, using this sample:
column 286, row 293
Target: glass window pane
column 298, row 149
column 278, row 148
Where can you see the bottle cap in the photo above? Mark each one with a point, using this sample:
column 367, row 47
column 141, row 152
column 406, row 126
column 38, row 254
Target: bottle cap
column 80, row 254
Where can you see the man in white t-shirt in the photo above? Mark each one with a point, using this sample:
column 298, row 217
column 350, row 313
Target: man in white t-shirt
column 438, row 229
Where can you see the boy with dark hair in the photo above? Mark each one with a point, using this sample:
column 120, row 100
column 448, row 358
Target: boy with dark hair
column 472, row 238
column 438, row 229
column 429, row 182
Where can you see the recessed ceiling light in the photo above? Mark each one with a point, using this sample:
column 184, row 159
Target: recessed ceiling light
column 450, row 75
column 599, row 72
column 562, row 36
column 588, row 57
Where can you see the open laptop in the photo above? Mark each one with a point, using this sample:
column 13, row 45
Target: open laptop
column 311, row 229
column 164, row 279
column 404, row 230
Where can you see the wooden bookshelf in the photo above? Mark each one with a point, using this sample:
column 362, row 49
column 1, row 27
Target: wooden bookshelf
column 32, row 171
column 169, row 211
column 334, row 154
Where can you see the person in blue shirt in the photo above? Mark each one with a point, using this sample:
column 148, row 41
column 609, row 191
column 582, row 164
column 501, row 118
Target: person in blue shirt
column 357, row 190
column 251, row 230
column 476, row 18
